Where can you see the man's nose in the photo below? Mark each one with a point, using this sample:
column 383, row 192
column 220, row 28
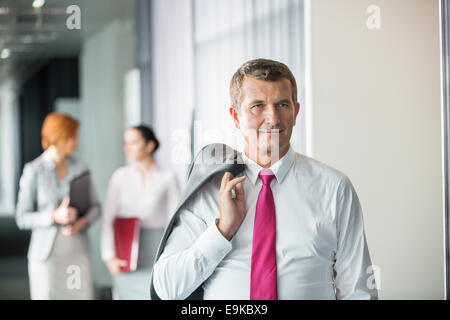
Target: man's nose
column 272, row 116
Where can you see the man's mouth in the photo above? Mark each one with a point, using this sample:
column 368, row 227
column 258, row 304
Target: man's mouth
column 271, row 131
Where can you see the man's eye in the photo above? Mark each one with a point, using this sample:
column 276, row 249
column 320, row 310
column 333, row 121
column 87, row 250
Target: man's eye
column 257, row 106
column 285, row 105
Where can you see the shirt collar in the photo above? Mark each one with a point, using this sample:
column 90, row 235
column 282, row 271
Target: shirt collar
column 279, row 168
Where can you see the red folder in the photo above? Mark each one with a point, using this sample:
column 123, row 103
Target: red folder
column 126, row 239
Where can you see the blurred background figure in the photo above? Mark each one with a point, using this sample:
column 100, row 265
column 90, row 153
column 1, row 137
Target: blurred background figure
column 59, row 265
column 143, row 190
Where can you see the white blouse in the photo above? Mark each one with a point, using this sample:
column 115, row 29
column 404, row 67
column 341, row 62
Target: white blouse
column 152, row 201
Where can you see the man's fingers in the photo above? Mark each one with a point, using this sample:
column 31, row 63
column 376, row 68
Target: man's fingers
column 234, row 182
column 226, row 177
column 239, row 189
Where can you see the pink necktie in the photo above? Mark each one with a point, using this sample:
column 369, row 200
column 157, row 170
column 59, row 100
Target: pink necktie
column 263, row 280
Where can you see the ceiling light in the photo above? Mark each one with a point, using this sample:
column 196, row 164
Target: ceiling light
column 5, row 53
column 38, row 3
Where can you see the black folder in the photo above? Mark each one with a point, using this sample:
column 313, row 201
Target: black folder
column 80, row 193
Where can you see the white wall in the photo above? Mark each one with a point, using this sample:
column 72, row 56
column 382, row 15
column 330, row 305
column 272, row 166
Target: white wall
column 70, row 106
column 172, row 83
column 377, row 117
column 105, row 59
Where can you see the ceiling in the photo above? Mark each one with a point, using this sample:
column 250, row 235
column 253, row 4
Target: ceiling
column 32, row 36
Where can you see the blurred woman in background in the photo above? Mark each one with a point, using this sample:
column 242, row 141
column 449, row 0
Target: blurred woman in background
column 59, row 265
column 143, row 190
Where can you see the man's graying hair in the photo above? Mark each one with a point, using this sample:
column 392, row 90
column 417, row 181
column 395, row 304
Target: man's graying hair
column 263, row 69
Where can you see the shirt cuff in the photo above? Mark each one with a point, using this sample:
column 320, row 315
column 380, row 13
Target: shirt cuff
column 212, row 244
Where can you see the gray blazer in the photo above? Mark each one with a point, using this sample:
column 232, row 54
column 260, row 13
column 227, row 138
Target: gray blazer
column 213, row 159
column 40, row 193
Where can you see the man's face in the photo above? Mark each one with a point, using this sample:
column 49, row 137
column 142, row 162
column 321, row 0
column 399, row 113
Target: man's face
column 266, row 116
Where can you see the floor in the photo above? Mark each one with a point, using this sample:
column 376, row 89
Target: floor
column 13, row 261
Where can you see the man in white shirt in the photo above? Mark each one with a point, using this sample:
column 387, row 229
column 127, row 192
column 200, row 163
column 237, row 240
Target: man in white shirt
column 297, row 235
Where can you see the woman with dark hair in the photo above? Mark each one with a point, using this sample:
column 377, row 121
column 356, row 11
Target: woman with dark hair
column 143, row 190
column 59, row 264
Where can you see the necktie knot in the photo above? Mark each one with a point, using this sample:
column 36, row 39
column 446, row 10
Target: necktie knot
column 266, row 176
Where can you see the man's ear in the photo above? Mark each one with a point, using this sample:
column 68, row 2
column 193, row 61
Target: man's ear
column 234, row 115
column 297, row 110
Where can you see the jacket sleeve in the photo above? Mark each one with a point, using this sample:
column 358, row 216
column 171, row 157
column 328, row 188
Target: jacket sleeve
column 27, row 216
column 353, row 265
column 192, row 252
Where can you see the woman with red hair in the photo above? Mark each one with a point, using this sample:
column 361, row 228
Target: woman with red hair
column 58, row 256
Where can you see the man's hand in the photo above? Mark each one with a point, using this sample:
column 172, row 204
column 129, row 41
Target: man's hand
column 232, row 211
column 75, row 228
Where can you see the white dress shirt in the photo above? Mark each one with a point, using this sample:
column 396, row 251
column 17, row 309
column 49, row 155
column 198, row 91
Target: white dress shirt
column 152, row 201
column 320, row 231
